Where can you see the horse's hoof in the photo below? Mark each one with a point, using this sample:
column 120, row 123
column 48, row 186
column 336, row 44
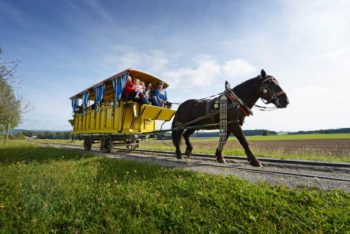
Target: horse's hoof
column 221, row 159
column 255, row 163
column 188, row 153
column 178, row 156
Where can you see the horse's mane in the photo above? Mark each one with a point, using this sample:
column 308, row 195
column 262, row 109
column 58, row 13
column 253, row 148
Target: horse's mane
column 249, row 90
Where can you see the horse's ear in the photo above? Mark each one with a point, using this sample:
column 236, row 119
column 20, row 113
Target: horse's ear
column 227, row 85
column 263, row 73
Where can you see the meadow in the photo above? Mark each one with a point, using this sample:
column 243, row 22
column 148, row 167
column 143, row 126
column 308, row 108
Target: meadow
column 55, row 190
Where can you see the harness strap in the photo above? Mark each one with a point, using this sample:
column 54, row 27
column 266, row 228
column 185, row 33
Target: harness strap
column 207, row 116
column 223, row 122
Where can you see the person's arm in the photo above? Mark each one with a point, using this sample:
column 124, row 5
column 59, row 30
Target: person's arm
column 155, row 93
column 130, row 88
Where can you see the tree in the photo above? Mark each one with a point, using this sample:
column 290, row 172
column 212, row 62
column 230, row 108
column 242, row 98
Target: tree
column 7, row 69
column 10, row 105
column 265, row 133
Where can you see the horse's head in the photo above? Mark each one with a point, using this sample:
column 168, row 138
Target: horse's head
column 271, row 91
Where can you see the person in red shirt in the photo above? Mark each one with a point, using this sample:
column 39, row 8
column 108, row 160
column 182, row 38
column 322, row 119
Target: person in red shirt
column 129, row 90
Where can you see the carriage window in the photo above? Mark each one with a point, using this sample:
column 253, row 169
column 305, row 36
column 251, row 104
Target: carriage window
column 99, row 94
column 85, row 100
column 75, row 104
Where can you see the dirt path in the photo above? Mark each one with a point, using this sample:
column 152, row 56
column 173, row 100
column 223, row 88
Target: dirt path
column 270, row 173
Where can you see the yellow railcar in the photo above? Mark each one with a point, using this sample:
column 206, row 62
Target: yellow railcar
column 102, row 115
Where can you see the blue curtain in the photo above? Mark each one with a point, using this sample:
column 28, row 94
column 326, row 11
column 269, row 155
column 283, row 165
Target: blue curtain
column 118, row 86
column 85, row 100
column 75, row 104
column 99, row 91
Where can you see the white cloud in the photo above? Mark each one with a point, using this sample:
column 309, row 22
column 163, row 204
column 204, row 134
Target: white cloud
column 152, row 61
column 205, row 72
column 204, row 75
column 320, row 28
column 310, row 92
column 238, row 68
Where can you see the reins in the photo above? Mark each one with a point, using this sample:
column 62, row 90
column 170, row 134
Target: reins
column 265, row 108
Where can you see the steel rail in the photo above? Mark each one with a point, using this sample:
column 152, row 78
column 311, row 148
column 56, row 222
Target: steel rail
column 270, row 160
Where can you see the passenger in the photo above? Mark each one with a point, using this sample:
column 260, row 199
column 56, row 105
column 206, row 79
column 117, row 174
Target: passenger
column 139, row 88
column 147, row 93
column 129, row 90
column 159, row 96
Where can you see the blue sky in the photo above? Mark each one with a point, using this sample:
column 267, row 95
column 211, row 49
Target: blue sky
column 65, row 46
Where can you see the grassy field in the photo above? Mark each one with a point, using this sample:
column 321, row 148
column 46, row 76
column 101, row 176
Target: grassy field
column 55, row 190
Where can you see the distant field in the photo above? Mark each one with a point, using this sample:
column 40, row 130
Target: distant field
column 54, row 190
column 323, row 147
column 289, row 137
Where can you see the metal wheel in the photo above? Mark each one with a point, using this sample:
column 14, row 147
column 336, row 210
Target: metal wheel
column 106, row 145
column 87, row 144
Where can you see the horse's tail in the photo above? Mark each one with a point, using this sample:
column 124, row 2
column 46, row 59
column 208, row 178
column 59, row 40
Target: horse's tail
column 175, row 133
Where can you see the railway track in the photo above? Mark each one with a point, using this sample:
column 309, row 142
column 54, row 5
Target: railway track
column 266, row 160
column 310, row 169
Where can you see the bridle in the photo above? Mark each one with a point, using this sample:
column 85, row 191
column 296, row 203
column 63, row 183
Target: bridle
column 264, row 88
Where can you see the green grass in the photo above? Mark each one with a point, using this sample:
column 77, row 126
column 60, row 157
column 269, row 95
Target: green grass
column 54, row 190
column 60, row 141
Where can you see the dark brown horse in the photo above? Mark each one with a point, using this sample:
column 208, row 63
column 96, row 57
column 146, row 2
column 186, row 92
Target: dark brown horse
column 195, row 112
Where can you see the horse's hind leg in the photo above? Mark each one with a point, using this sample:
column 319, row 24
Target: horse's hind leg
column 220, row 148
column 189, row 147
column 176, row 136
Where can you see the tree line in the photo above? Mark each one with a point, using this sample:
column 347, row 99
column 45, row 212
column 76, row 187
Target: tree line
column 11, row 105
column 43, row 134
column 324, row 131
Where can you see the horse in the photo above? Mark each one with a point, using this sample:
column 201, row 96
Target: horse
column 204, row 114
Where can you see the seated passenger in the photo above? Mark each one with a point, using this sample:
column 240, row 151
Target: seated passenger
column 159, row 96
column 146, row 93
column 129, row 90
column 139, row 88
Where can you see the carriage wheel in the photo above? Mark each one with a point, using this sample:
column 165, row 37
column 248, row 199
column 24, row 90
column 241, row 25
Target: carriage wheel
column 106, row 145
column 87, row 144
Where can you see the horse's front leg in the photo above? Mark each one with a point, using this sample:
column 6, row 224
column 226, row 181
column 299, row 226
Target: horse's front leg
column 237, row 131
column 220, row 148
